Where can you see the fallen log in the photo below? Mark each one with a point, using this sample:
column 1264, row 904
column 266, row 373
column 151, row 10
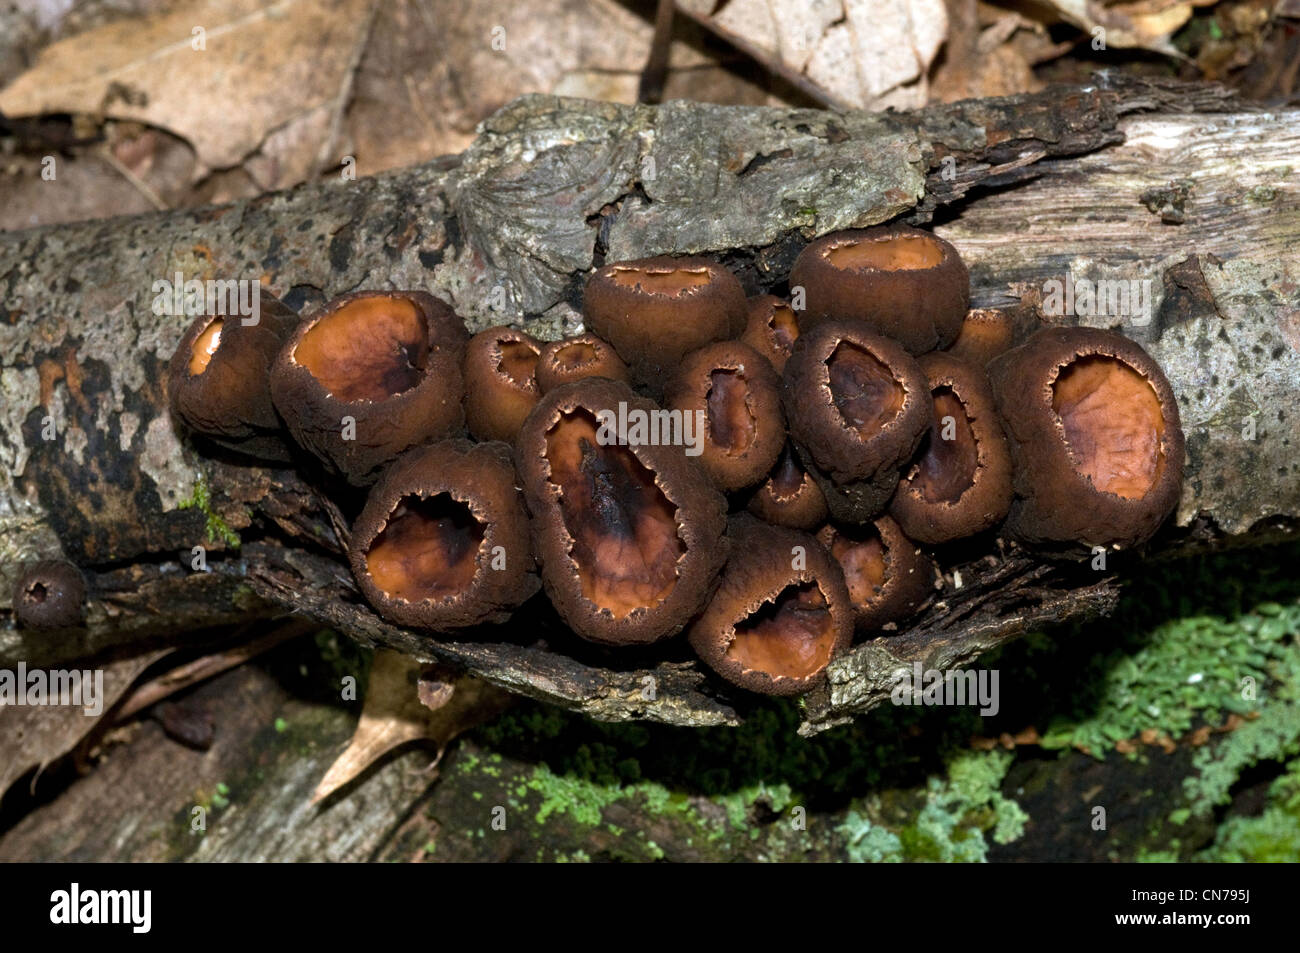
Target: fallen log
column 1180, row 187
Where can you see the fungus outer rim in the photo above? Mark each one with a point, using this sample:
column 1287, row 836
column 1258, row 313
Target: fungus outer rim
column 555, row 492
column 332, row 307
column 907, row 485
column 1047, row 393
column 476, row 509
column 753, row 604
column 946, row 251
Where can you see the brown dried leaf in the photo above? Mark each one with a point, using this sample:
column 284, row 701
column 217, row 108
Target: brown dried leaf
column 33, row 736
column 1145, row 24
column 869, row 54
column 981, row 62
column 207, row 666
column 262, row 66
column 435, row 69
column 407, row 702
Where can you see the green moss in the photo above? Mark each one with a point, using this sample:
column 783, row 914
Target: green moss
column 738, row 804
column 1273, row 836
column 1189, row 646
column 217, row 528
column 955, row 814
column 1275, row 735
column 903, row 784
column 565, row 794
column 1147, row 855
column 868, row 842
column 582, row 801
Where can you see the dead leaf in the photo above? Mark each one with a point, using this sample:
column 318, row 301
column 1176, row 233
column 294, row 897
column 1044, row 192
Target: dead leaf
column 33, row 736
column 1145, row 24
column 395, row 713
column 258, row 67
column 868, row 54
column 982, row 58
column 208, row 666
column 1027, row 736
column 435, row 69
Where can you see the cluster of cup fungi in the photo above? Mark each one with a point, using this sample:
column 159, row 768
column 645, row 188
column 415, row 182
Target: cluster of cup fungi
column 838, row 445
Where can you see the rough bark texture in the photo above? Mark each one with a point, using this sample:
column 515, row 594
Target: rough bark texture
column 1082, row 181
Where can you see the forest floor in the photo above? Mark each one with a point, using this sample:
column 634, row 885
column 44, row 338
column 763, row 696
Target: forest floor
column 1170, row 731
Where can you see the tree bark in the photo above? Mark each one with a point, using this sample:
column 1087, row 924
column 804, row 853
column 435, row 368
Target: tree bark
column 1181, row 185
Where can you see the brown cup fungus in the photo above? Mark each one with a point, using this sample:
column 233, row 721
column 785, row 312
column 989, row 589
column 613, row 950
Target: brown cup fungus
column 370, row 375
column 780, row 614
column 50, row 594
column 218, row 381
column 985, row 333
column 443, row 540
column 1096, row 441
column 960, row 483
column 500, row 382
column 907, row 284
column 888, row 577
column 629, row 531
column 789, row 496
column 733, row 399
column 771, row 329
column 858, row 406
column 655, row 311
column 574, row 358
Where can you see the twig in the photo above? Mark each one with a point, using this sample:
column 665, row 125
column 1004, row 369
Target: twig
column 655, row 74
column 152, row 197
column 201, row 669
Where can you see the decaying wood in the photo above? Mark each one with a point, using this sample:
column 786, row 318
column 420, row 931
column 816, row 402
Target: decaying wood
column 1178, row 185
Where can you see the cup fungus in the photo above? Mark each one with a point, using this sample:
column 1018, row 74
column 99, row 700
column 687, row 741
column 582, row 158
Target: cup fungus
column 771, row 329
column 629, row 531
column 789, row 496
column 858, row 406
column 1096, row 441
column 655, row 311
column 901, row 282
column 985, row 333
column 574, row 358
column 733, row 392
column 960, row 484
column 500, row 382
column 443, row 540
column 218, row 379
column 888, row 577
column 780, row 614
column 370, row 375
column 50, row 594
